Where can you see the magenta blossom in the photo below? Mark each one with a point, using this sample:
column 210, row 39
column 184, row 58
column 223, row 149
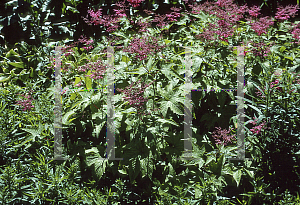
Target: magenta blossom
column 97, row 69
column 173, row 15
column 257, row 129
column 26, row 104
column 143, row 47
column 135, row 3
column 254, row 11
column 222, row 137
column 134, row 94
column 287, row 12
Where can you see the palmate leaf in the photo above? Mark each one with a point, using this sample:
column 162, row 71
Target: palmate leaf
column 94, row 159
column 172, row 100
column 170, row 72
column 34, row 133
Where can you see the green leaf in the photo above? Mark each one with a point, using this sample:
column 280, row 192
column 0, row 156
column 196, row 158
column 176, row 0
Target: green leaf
column 147, row 166
column 250, row 173
column 31, row 72
column 88, row 81
column 13, row 55
column 125, row 59
column 282, row 48
column 34, row 133
column 167, row 41
column 237, row 176
column 73, row 96
column 4, row 78
column 150, row 64
column 209, row 159
column 122, row 171
column 183, row 20
column 98, row 128
column 198, row 193
column 94, row 159
column 255, row 108
column 290, row 58
column 224, row 43
column 169, row 121
column 17, row 64
column 65, row 118
column 77, row 80
column 74, row 10
column 134, row 168
column 216, row 168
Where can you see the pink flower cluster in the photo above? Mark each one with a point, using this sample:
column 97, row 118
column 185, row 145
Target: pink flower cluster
column 173, row 15
column 109, row 22
column 160, row 20
column 67, row 50
column 260, row 49
column 97, row 68
column 222, row 136
column 229, row 16
column 134, row 95
column 273, row 84
column 257, row 129
column 26, row 104
column 84, row 40
column 143, row 47
column 287, row 12
column 254, row 11
column 135, row 3
column 296, row 32
column 276, row 82
column 262, row 25
column 143, row 25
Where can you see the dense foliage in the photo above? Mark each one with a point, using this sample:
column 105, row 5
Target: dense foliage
column 149, row 106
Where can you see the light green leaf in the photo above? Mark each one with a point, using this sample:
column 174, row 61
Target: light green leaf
column 77, row 80
column 74, row 10
column 123, row 171
column 17, row 64
column 169, row 121
column 125, row 59
column 237, row 176
column 167, row 41
column 4, row 78
column 73, row 96
column 94, row 159
column 282, row 48
column 250, row 173
column 65, row 118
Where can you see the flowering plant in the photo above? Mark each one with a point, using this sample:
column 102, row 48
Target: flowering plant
column 219, row 24
column 26, row 104
column 222, row 136
column 134, row 95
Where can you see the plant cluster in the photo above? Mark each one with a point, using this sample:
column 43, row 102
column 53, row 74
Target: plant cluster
column 153, row 170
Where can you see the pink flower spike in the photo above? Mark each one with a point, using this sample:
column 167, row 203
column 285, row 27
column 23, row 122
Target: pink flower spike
column 254, row 11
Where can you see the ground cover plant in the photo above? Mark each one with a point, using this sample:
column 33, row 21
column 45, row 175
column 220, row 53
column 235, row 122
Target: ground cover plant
column 149, row 100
